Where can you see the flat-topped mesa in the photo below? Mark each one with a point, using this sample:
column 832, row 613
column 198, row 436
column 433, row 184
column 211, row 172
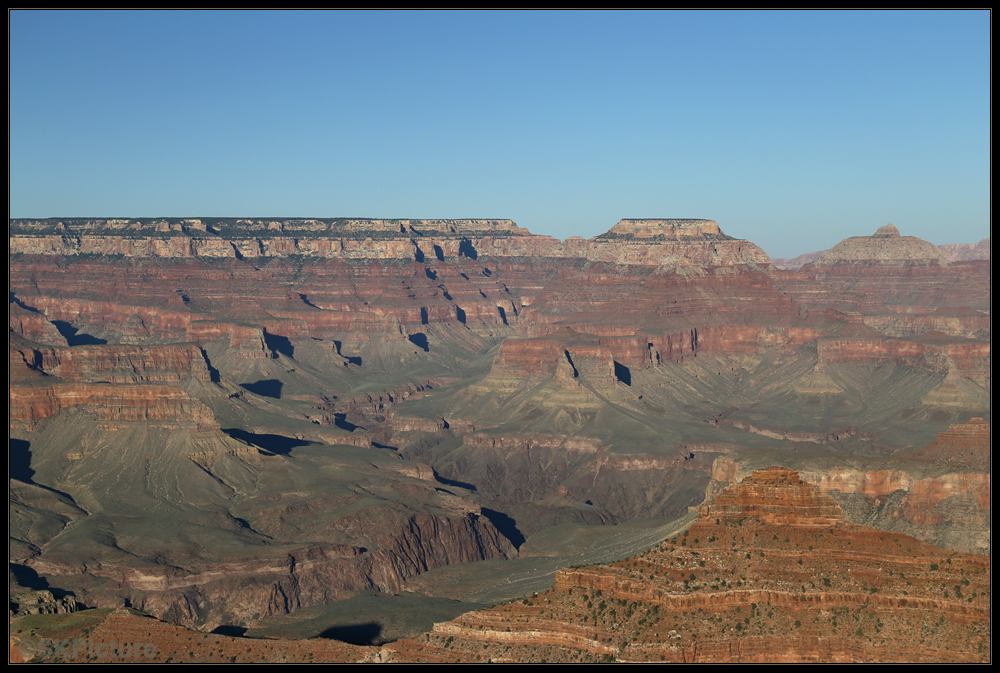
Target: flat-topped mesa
column 473, row 227
column 885, row 245
column 667, row 229
column 668, row 242
column 775, row 496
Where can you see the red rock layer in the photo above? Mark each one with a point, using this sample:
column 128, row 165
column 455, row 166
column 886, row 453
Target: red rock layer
column 743, row 591
column 520, row 358
column 775, row 496
column 970, row 358
column 110, row 364
column 904, row 291
column 111, row 402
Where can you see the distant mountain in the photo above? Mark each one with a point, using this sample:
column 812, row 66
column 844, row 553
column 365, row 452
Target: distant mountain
column 795, row 263
column 961, row 252
column 953, row 252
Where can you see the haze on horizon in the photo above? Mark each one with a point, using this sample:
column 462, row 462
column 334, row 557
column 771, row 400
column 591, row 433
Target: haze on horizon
column 791, row 129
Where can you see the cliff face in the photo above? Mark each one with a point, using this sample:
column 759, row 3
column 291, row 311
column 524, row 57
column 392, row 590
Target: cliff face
column 241, row 592
column 573, row 354
column 110, row 364
column 110, row 402
column 657, row 241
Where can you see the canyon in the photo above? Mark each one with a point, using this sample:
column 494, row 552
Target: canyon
column 219, row 421
column 769, row 573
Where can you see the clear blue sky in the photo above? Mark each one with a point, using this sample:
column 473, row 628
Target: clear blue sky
column 793, row 130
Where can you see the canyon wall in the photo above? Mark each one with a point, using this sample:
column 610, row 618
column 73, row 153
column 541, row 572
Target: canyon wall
column 253, row 380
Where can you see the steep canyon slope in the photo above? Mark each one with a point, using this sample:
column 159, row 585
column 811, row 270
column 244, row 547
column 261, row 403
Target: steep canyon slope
column 217, row 420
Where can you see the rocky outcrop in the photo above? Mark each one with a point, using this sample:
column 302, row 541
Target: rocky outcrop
column 577, row 354
column 940, row 493
column 742, row 589
column 776, row 496
column 962, row 446
column 42, row 602
column 671, row 229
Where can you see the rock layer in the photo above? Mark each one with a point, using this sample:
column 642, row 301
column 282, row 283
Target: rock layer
column 696, row 241
column 940, row 493
column 775, row 496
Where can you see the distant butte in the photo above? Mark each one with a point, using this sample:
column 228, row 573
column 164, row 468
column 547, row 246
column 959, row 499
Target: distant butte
column 885, row 245
column 672, row 229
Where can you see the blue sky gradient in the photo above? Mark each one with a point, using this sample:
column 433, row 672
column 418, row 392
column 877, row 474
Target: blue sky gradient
column 792, row 129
